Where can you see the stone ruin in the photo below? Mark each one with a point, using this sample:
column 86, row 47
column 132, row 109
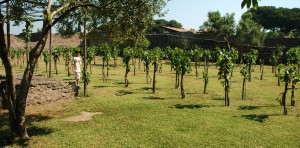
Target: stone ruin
column 42, row 90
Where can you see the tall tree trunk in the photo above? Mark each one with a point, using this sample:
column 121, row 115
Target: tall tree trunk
column 176, row 78
column 181, row 86
column 154, row 79
column 50, row 52
column 115, row 62
column 278, row 78
column 84, row 57
column 226, row 91
column 196, row 68
column 107, row 69
column 275, row 69
column 139, row 63
column 262, row 72
column 134, row 67
column 8, row 25
column 103, row 70
column 56, row 69
column 46, row 68
column 249, row 72
column 126, row 73
column 283, row 101
column 244, row 89
column 293, row 95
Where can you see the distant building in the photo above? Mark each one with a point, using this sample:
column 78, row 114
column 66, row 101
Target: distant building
column 178, row 31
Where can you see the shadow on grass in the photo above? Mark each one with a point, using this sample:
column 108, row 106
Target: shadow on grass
column 5, row 137
column 218, row 99
column 145, row 88
column 103, row 86
column 123, row 92
column 248, row 107
column 189, row 106
column 153, row 98
column 255, row 117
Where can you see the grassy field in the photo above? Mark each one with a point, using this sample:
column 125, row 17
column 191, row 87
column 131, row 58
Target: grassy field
column 134, row 117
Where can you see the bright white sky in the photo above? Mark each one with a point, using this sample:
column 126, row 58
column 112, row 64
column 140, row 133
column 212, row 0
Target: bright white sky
column 192, row 13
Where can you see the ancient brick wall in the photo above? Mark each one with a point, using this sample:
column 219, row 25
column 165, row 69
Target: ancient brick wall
column 44, row 90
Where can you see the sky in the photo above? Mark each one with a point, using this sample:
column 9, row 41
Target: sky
column 192, row 13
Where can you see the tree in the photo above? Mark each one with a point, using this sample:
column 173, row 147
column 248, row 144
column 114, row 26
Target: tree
column 182, row 65
column 127, row 55
column 248, row 32
column 156, row 58
column 220, row 27
column 46, row 59
column 127, row 14
column 250, row 60
column 226, row 65
column 66, row 53
column 293, row 59
column 245, row 73
column 281, row 19
column 90, row 56
column 147, row 58
column 275, row 58
column 105, row 52
column 206, row 55
column 196, row 56
column 55, row 56
column 286, row 76
column 115, row 53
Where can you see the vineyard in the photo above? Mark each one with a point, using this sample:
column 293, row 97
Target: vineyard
column 149, row 99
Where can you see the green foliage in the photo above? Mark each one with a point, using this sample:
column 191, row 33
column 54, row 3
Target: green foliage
column 28, row 30
column 225, row 63
column 219, row 27
column 250, row 57
column 90, row 54
column 105, row 52
column 283, row 19
column 127, row 55
column 86, row 77
column 276, row 55
column 248, row 32
column 46, row 56
column 196, row 53
column 244, row 71
column 56, row 53
column 293, row 56
column 249, row 2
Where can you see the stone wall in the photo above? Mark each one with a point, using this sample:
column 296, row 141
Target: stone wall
column 44, row 90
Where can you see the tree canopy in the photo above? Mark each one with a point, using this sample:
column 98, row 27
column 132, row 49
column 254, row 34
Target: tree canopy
column 248, row 32
column 272, row 18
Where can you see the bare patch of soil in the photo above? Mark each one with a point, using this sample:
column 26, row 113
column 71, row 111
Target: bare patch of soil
column 85, row 116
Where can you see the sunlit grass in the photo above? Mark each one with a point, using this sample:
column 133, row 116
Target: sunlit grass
column 135, row 117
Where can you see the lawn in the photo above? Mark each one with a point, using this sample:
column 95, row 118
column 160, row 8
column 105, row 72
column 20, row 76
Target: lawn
column 135, row 117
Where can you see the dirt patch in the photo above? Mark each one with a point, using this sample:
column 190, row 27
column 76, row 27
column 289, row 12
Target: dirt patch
column 85, row 116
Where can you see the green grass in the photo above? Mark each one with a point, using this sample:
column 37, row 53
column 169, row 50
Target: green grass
column 134, row 117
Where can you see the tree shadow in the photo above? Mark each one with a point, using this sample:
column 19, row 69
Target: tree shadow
column 218, row 99
column 153, row 98
column 5, row 136
column 103, row 86
column 248, row 107
column 123, row 92
column 259, row 118
column 145, row 88
column 189, row 106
